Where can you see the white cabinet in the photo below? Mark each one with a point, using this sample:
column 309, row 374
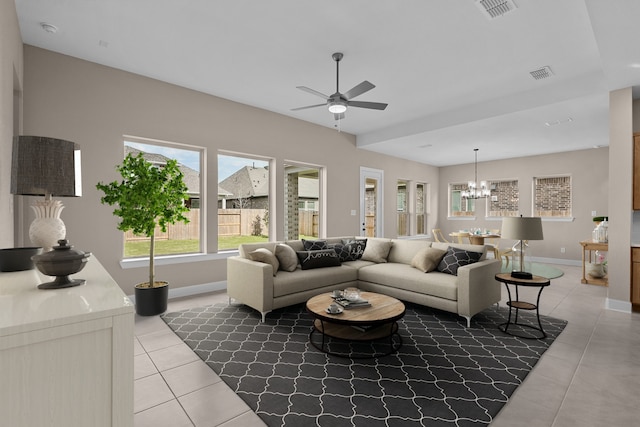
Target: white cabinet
column 66, row 355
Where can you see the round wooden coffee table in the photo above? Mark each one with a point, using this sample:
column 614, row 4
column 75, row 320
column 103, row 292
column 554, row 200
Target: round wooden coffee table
column 376, row 322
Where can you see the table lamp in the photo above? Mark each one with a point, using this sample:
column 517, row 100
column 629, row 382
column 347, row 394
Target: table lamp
column 42, row 166
column 521, row 228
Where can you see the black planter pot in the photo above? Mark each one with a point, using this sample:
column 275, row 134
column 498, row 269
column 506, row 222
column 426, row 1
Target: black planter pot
column 151, row 301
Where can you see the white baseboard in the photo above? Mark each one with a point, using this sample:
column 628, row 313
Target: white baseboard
column 560, row 261
column 187, row 291
column 618, row 305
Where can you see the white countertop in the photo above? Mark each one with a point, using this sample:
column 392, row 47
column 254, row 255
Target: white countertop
column 24, row 307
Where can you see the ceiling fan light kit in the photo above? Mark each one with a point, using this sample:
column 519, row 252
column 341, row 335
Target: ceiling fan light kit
column 338, row 103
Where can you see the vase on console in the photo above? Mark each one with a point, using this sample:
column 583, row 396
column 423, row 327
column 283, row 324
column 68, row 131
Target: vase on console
column 47, row 228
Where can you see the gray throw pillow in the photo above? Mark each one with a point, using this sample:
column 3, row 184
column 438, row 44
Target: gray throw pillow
column 266, row 256
column 456, row 258
column 286, row 257
column 427, row 259
column 314, row 245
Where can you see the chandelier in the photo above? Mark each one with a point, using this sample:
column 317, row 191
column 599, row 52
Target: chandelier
column 472, row 191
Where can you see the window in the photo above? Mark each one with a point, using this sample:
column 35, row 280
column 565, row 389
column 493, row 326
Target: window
column 179, row 238
column 552, row 197
column 421, row 208
column 243, row 200
column 302, row 201
column 504, row 199
column 459, row 206
column 402, row 208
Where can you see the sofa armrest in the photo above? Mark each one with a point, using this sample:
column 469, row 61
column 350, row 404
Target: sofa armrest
column 477, row 286
column 250, row 282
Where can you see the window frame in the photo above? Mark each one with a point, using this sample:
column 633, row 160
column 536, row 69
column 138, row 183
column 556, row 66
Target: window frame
column 202, row 244
column 450, row 197
column 321, row 205
column 490, row 201
column 270, row 167
column 534, row 193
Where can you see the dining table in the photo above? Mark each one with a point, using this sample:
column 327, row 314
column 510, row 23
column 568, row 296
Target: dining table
column 474, row 238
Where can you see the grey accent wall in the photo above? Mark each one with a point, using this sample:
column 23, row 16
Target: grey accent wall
column 589, row 171
column 95, row 106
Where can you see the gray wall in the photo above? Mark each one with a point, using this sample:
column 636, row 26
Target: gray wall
column 95, row 106
column 10, row 106
column 589, row 171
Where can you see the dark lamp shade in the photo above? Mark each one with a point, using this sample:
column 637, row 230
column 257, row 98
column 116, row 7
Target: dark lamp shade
column 522, row 228
column 45, row 166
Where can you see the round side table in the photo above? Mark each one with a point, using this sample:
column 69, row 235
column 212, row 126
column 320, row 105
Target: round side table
column 536, row 281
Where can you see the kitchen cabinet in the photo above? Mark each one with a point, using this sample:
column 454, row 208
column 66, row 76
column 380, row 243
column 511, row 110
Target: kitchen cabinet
column 635, row 277
column 66, row 355
column 636, row 171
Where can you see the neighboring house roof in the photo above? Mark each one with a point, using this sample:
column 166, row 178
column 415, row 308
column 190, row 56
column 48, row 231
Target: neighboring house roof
column 248, row 181
column 191, row 177
column 223, row 193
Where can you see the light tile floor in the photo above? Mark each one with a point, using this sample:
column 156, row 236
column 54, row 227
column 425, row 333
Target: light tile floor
column 589, row 377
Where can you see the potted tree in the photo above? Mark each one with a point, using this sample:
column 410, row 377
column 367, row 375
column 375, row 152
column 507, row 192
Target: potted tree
column 147, row 197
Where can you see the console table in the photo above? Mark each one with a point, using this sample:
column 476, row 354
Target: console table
column 66, row 355
column 588, row 247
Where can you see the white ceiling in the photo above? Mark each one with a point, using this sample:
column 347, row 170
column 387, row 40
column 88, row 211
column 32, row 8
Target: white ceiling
column 454, row 79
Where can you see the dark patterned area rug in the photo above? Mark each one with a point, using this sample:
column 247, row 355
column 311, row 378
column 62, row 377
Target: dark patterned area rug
column 444, row 375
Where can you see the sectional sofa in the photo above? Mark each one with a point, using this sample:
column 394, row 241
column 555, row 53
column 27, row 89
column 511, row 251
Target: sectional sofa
column 453, row 277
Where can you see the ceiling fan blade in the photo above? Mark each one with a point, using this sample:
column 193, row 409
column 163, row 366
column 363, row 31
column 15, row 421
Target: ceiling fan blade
column 363, row 87
column 363, row 104
column 314, row 92
column 308, row 106
column 338, row 116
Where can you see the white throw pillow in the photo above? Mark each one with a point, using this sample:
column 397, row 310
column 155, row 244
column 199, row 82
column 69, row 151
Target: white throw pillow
column 287, row 257
column 266, row 256
column 377, row 250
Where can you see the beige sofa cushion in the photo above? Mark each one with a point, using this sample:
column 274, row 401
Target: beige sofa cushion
column 286, row 283
column 403, row 276
column 404, row 250
column 427, row 259
column 377, row 250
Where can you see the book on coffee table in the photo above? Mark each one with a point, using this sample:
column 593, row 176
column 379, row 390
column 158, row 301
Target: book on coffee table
column 346, row 303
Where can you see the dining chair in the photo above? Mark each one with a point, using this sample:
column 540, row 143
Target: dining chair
column 494, row 242
column 438, row 237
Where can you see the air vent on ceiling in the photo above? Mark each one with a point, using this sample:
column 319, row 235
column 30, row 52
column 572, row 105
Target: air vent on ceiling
column 495, row 8
column 541, row 73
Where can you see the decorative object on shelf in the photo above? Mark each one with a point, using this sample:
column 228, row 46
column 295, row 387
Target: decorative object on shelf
column 521, row 229
column 595, row 270
column 148, row 197
column 61, row 262
column 476, row 190
column 17, row 259
column 42, row 166
column 600, row 234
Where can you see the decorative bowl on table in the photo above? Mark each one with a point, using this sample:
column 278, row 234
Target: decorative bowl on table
column 351, row 294
column 61, row 262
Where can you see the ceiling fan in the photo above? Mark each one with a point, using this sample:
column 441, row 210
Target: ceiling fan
column 338, row 102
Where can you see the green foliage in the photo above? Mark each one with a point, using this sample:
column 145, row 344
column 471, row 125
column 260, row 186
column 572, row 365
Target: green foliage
column 147, row 195
column 256, row 226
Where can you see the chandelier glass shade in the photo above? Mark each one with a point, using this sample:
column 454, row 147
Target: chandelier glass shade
column 475, row 189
